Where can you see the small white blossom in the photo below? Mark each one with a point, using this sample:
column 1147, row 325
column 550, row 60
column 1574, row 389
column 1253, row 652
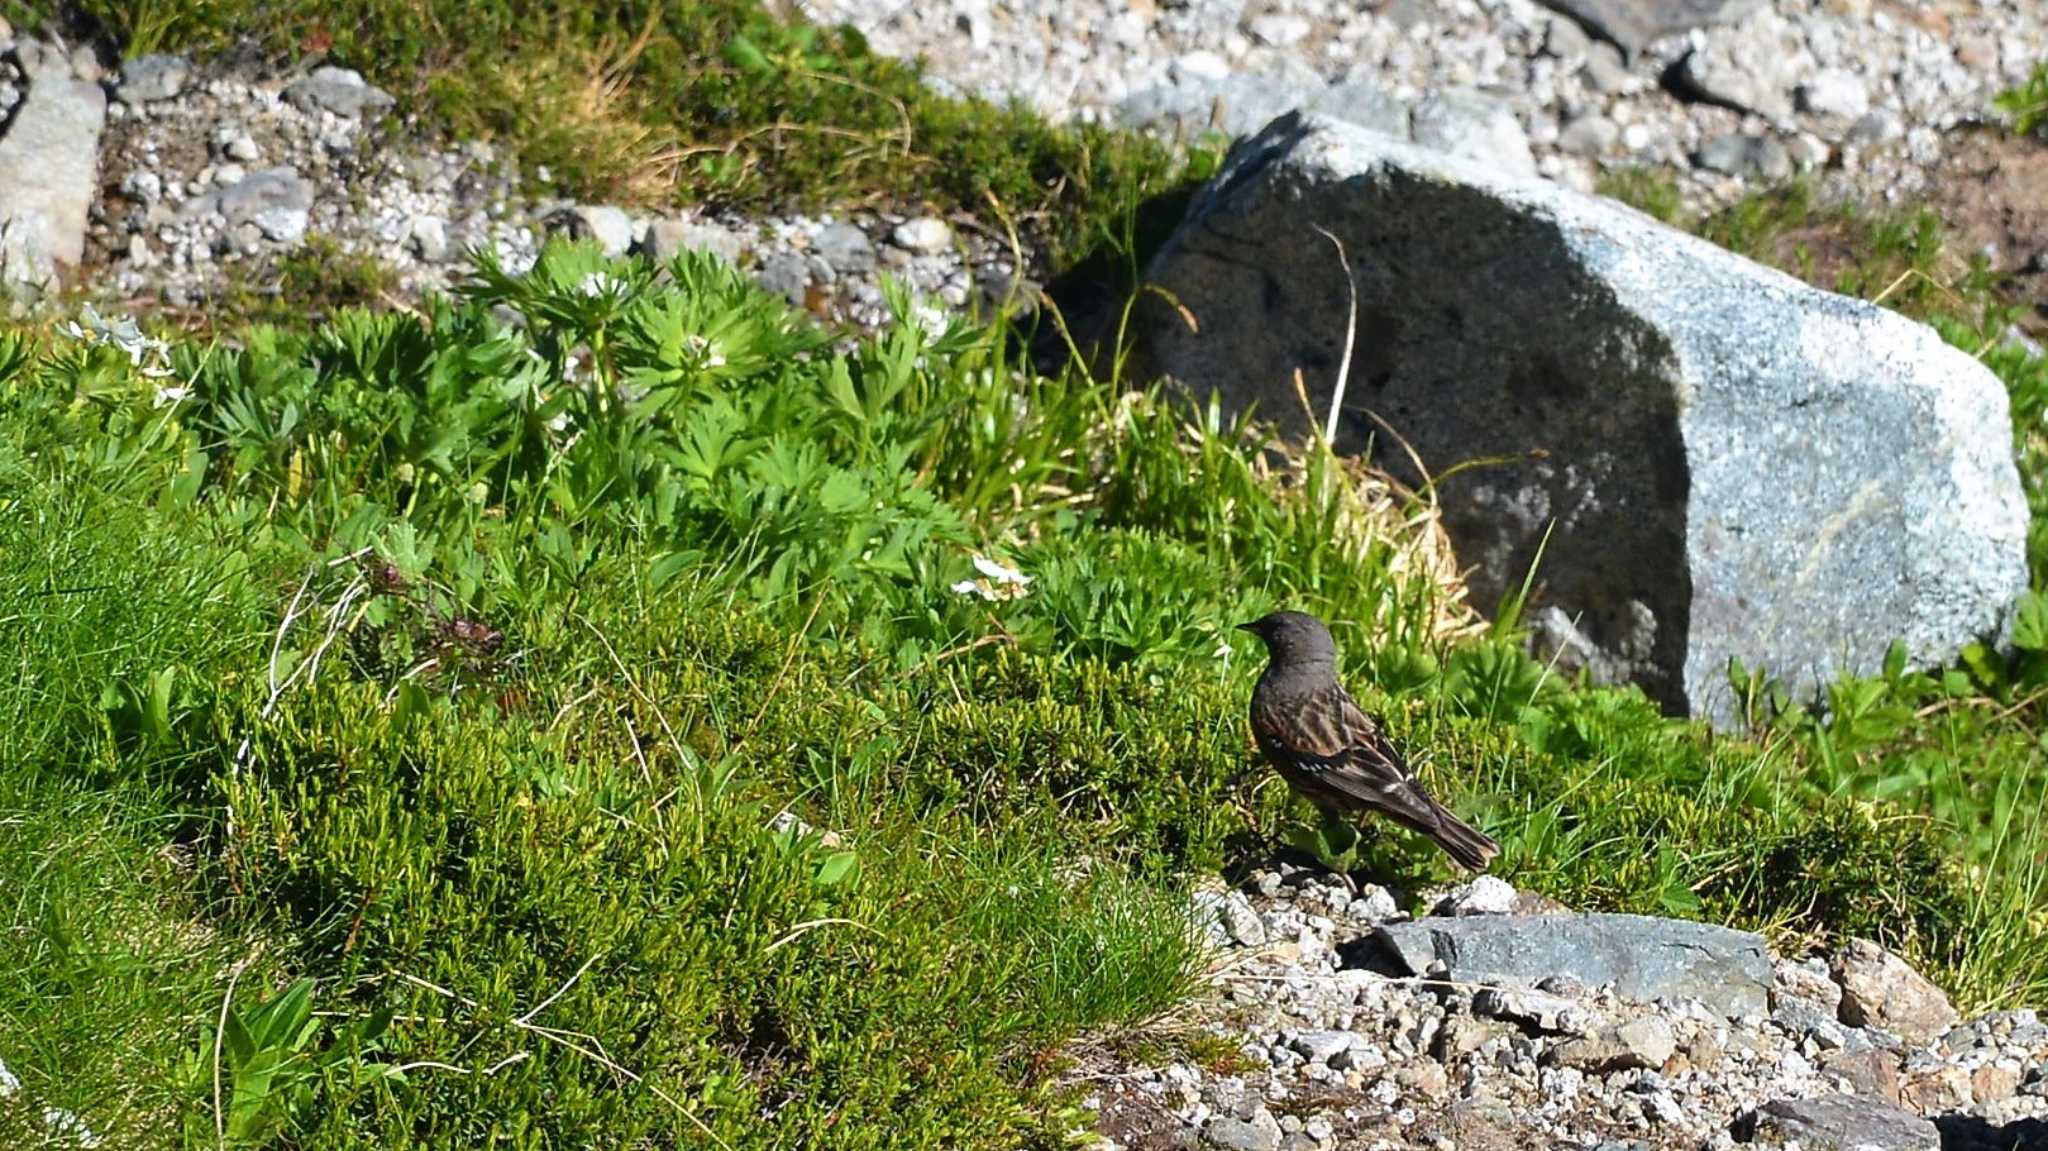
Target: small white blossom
column 999, row 572
column 708, row 354
column 600, row 283
column 974, row 587
column 998, row 581
column 169, row 394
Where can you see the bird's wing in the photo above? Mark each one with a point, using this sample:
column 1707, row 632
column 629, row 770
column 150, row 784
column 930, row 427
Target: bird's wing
column 1351, row 754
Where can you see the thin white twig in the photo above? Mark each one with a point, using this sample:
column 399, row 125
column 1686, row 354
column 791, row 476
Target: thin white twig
column 220, row 1031
column 809, row 925
column 493, row 1069
column 1350, row 339
column 559, row 991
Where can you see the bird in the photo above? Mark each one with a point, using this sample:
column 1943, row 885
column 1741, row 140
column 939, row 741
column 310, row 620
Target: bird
column 1331, row 751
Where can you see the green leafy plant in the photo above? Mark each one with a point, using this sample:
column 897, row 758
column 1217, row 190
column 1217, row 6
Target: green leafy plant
column 268, row 1062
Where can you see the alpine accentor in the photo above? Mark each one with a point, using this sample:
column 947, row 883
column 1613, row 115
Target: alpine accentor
column 1330, row 751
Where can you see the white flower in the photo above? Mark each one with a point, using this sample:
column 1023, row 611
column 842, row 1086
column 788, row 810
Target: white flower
column 973, row 587
column 1000, row 573
column 707, row 353
column 169, row 394
column 125, row 335
column 600, row 283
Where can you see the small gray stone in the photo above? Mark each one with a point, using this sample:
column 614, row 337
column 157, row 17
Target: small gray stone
column 1835, row 92
column 1878, row 126
column 1259, row 1133
column 1844, row 1121
column 1638, row 1043
column 1321, row 1046
column 1466, row 122
column 1589, row 135
column 846, row 248
column 427, row 236
column 925, row 235
column 1486, row 895
column 342, row 91
column 609, row 226
column 157, row 76
column 85, row 64
column 230, row 141
column 1753, row 66
column 282, row 225
column 270, row 190
column 1805, row 1020
column 664, row 240
column 1534, row 1009
column 143, row 186
column 40, row 60
column 786, row 274
column 1373, row 904
column 1750, row 157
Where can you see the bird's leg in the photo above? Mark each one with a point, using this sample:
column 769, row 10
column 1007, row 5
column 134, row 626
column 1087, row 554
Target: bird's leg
column 1340, row 857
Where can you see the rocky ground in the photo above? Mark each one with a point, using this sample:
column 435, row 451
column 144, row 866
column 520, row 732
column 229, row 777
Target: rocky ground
column 199, row 180
column 1723, row 94
column 1500, row 1020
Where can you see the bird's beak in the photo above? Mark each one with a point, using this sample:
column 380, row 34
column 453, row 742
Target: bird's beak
column 1248, row 627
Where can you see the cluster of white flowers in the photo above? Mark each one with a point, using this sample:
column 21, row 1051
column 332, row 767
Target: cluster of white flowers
column 150, row 356
column 998, row 582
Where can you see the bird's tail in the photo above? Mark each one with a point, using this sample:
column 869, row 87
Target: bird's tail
column 1472, row 849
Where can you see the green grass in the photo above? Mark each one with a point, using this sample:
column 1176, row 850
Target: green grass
column 460, row 670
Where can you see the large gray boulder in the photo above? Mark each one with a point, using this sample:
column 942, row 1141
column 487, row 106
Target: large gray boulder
column 1641, row 957
column 49, row 167
column 1731, row 464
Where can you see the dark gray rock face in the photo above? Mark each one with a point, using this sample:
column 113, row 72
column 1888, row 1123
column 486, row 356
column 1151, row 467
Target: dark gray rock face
column 1642, row 957
column 1844, row 1121
column 1736, row 465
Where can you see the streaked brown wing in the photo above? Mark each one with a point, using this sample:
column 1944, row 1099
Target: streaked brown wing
column 1370, row 770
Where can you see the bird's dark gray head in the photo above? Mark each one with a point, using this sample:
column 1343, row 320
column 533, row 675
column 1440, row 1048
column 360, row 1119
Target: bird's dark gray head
column 1294, row 639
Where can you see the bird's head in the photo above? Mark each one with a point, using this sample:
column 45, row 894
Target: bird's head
column 1294, row 637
